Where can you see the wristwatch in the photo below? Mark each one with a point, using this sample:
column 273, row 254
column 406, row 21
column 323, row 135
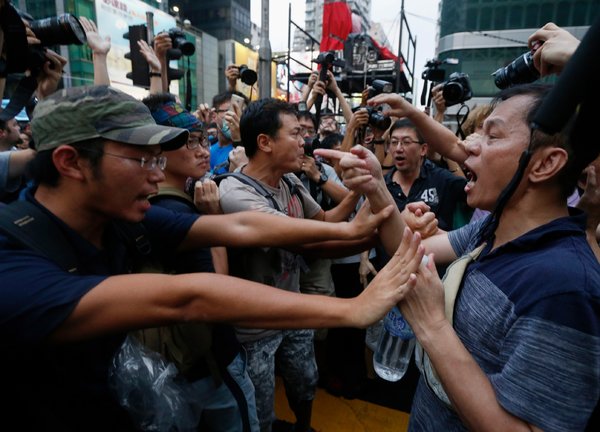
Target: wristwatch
column 322, row 179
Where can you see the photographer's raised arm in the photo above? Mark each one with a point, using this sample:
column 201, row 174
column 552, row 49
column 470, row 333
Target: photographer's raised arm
column 437, row 136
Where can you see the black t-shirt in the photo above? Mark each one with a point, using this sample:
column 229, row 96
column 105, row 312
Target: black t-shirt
column 440, row 190
column 64, row 387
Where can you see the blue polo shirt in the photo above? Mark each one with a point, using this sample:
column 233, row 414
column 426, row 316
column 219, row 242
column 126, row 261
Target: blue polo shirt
column 64, row 387
column 439, row 189
column 529, row 314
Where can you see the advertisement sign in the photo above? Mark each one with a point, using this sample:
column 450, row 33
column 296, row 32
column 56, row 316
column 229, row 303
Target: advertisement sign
column 114, row 18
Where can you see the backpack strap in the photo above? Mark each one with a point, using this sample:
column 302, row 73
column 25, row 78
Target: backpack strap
column 246, row 179
column 28, row 225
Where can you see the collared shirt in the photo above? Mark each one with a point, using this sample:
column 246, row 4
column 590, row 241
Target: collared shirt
column 529, row 314
column 439, row 189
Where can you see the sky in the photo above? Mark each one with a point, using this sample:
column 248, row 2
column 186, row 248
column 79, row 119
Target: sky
column 421, row 15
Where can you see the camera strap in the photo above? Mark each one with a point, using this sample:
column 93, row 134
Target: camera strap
column 19, row 98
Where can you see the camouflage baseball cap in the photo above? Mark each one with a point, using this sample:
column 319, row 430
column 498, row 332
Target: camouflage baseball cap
column 81, row 113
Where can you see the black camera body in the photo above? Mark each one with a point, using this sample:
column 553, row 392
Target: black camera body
column 179, row 42
column 64, row 29
column 520, row 71
column 247, row 75
column 457, row 89
column 376, row 118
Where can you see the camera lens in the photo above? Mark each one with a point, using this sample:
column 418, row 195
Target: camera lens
column 180, row 43
column 520, row 71
column 453, row 93
column 378, row 120
column 247, row 75
column 64, row 29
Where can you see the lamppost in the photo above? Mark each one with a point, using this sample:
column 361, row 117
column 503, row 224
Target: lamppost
column 264, row 54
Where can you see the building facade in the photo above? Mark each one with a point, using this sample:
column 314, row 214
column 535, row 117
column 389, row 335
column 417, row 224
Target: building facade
column 485, row 35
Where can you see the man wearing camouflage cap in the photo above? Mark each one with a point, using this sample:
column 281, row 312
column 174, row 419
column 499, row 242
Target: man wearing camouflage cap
column 99, row 159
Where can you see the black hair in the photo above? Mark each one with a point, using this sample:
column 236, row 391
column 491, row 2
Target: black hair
column 221, row 98
column 156, row 101
column 331, row 140
column 308, row 115
column 41, row 168
column 262, row 117
column 405, row 123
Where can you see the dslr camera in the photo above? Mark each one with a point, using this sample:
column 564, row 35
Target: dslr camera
column 247, row 75
column 457, row 89
column 520, row 71
column 376, row 118
column 180, row 43
column 64, row 29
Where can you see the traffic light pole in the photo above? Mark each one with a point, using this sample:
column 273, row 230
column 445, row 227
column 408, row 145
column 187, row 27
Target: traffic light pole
column 264, row 54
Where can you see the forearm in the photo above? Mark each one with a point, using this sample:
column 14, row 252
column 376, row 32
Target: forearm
column 346, row 110
column 390, row 231
column 219, row 259
column 257, row 229
column 592, row 239
column 128, row 302
column 344, row 209
column 465, row 383
column 438, row 137
column 18, row 162
column 100, row 69
column 337, row 248
column 380, row 152
column 335, row 191
column 348, row 141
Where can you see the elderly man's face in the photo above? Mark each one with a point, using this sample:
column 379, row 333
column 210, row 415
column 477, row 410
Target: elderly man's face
column 494, row 155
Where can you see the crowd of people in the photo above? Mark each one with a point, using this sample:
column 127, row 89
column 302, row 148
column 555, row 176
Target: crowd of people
column 248, row 238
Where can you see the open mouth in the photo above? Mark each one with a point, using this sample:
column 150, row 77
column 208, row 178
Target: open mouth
column 471, row 179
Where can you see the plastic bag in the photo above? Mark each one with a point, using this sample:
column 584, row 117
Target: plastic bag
column 151, row 390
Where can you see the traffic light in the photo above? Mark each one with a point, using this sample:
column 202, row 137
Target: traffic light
column 172, row 73
column 139, row 65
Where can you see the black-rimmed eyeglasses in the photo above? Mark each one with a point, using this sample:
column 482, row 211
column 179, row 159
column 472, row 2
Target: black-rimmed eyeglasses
column 194, row 142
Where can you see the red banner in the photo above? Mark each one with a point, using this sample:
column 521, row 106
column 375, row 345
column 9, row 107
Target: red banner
column 337, row 25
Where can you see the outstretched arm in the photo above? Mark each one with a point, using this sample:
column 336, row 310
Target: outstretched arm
column 127, row 302
column 256, row 229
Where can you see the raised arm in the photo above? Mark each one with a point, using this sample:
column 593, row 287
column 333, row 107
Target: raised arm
column 437, row 136
column 100, row 47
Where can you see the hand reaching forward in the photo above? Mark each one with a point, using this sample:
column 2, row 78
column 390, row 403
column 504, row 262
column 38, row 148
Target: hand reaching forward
column 361, row 170
column 390, row 285
column 365, row 223
column 423, row 304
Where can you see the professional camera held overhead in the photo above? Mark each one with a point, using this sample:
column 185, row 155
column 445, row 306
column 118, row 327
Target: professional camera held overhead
column 456, row 90
column 520, row 71
column 21, row 57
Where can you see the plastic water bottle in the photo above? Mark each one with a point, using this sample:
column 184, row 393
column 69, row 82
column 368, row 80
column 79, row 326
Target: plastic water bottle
column 395, row 347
